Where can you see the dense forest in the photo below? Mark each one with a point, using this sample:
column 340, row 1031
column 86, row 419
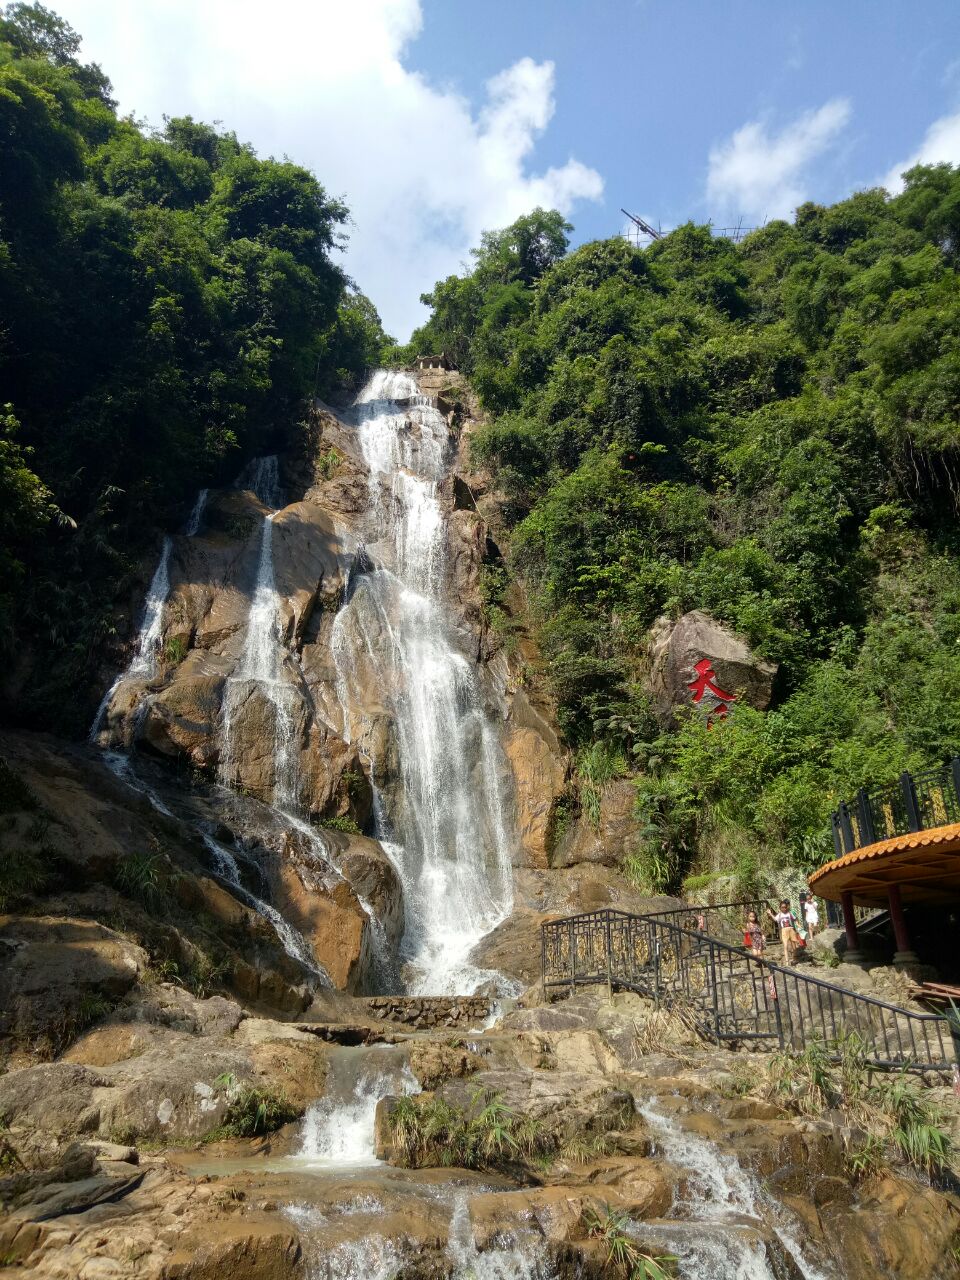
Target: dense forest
column 767, row 430
column 168, row 300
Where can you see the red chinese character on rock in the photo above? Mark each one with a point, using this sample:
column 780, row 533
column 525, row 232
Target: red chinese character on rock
column 706, row 683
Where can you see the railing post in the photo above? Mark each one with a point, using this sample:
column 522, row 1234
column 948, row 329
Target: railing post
column 609, row 960
column 866, row 817
column 573, row 957
column 776, row 1006
column 849, row 844
column 955, row 771
column 713, row 987
column 837, row 841
column 910, row 801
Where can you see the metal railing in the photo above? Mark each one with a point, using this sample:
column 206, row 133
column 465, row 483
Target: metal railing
column 721, row 920
column 915, row 802
column 731, row 995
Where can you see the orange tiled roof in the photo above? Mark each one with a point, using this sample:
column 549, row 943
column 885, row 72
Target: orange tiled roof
column 943, row 839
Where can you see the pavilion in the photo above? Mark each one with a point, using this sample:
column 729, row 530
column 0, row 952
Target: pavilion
column 899, row 845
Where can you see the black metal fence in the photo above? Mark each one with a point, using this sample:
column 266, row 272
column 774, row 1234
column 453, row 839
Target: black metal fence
column 731, row 995
column 722, row 920
column 915, row 802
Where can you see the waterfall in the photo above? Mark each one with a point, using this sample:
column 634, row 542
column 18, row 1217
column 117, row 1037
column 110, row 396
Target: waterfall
column 143, row 664
column 368, row 1257
column 292, row 941
column 516, row 1258
column 444, row 828
column 192, row 527
column 338, row 1129
column 261, row 476
column 711, row 1239
column 261, row 663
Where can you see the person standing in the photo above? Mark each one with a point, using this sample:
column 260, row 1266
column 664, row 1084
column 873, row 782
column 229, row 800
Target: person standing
column 811, row 915
column 788, row 925
column 753, row 935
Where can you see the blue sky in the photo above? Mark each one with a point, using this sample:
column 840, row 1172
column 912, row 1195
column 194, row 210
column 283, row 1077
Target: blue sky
column 643, row 90
column 436, row 119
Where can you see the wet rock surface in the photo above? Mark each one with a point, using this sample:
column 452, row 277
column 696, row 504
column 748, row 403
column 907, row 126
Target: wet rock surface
column 721, row 1179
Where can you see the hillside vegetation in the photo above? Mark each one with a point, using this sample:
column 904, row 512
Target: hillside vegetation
column 765, row 430
column 167, row 301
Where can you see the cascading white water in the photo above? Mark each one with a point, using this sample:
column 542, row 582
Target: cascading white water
column 338, row 1129
column 292, row 941
column 512, row 1259
column 719, row 1194
column 143, row 664
column 444, row 827
column 261, row 663
column 261, row 476
column 192, row 527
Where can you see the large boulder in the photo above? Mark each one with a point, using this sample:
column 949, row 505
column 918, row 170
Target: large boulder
column 696, row 661
column 58, row 975
column 164, row 1066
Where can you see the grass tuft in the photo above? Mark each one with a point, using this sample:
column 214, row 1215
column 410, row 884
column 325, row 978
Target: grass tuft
column 252, row 1110
column 624, row 1255
column 486, row 1135
column 902, row 1125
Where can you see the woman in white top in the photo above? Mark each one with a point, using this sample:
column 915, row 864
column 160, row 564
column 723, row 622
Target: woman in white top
column 811, row 915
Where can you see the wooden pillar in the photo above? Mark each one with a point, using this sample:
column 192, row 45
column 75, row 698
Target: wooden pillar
column 903, row 955
column 853, row 954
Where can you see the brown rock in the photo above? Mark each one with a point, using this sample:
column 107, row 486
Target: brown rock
column 251, row 1251
column 58, row 973
column 539, row 764
column 676, row 648
column 613, row 839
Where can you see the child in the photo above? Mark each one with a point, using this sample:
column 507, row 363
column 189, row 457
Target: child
column 753, row 934
column 788, row 925
column 811, row 915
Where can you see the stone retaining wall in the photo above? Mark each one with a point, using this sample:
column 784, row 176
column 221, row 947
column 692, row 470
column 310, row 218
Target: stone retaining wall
column 431, row 1011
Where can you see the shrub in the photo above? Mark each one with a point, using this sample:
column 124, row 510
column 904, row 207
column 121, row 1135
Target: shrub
column 328, row 464
column 23, row 873
column 345, row 824
column 695, row 883
column 487, row 1135
column 15, row 795
column 903, row 1126
column 148, row 877
column 597, row 765
column 563, row 813
column 624, row 1255
column 175, row 650
column 252, row 1110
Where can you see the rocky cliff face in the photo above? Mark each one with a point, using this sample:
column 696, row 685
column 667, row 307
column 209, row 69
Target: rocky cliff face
column 195, row 705
column 189, row 926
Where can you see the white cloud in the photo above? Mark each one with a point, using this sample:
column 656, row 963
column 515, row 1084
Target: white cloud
column 941, row 143
column 763, row 175
column 327, row 83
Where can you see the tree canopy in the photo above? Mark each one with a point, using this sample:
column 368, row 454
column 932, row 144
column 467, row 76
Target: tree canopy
column 168, row 300
column 767, row 430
